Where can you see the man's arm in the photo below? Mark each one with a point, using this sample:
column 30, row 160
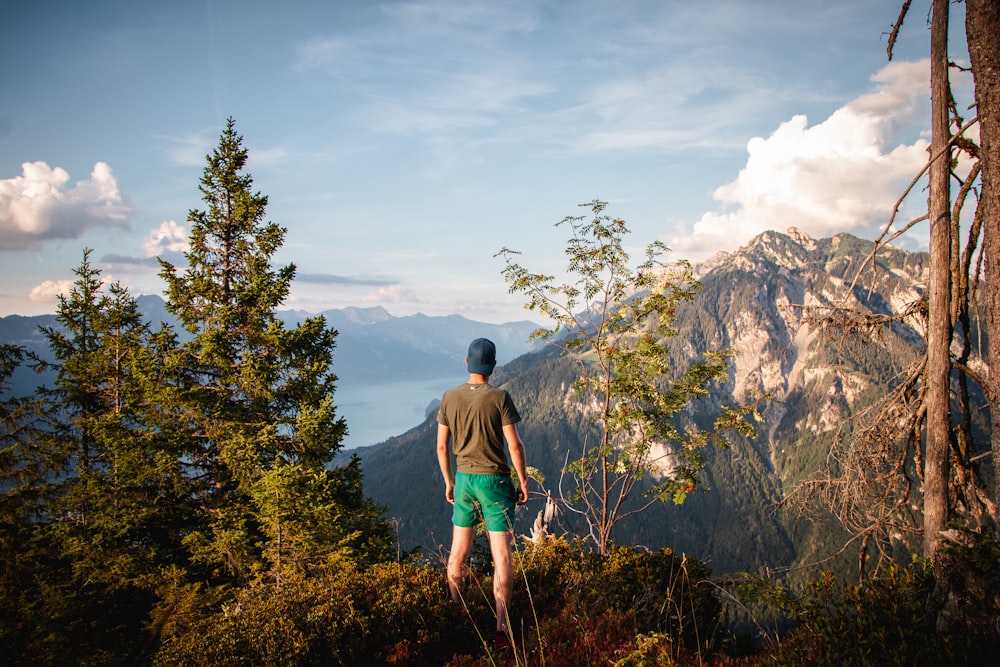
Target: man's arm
column 444, row 460
column 516, row 449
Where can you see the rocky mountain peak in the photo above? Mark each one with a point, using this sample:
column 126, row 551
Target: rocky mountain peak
column 758, row 300
column 715, row 261
column 791, row 251
column 802, row 238
column 366, row 315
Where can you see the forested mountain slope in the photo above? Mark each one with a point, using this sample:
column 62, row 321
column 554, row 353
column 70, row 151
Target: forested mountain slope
column 751, row 300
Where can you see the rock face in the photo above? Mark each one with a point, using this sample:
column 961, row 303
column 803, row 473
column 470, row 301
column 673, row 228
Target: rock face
column 762, row 301
column 765, row 300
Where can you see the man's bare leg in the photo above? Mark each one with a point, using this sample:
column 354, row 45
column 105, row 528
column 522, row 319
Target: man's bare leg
column 503, row 576
column 461, row 544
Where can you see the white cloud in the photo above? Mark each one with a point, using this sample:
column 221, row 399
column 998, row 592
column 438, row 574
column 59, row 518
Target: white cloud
column 39, row 205
column 435, row 17
column 391, row 294
column 168, row 237
column 436, row 71
column 675, row 106
column 842, row 175
column 50, row 290
column 321, row 52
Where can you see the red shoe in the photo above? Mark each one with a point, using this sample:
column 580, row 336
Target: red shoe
column 501, row 642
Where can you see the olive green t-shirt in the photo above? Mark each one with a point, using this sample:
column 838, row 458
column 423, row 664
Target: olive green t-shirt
column 475, row 414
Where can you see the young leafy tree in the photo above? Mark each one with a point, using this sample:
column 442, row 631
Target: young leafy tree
column 256, row 396
column 616, row 322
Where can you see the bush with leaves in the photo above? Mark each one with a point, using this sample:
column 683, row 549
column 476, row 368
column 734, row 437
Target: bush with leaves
column 384, row 614
column 885, row 620
column 616, row 322
column 572, row 605
column 577, row 604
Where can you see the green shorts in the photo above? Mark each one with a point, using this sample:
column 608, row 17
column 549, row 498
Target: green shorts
column 491, row 496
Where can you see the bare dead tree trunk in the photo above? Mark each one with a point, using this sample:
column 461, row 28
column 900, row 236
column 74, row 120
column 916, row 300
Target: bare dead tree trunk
column 982, row 30
column 939, row 297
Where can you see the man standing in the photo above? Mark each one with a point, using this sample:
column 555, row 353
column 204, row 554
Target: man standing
column 479, row 418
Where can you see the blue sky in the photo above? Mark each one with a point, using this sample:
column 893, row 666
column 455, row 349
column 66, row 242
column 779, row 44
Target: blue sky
column 403, row 144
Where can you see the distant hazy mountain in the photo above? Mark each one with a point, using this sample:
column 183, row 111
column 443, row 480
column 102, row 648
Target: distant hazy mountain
column 372, row 345
column 751, row 301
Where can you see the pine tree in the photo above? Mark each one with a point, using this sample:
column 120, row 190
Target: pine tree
column 21, row 482
column 20, row 472
column 98, row 540
column 103, row 454
column 256, row 395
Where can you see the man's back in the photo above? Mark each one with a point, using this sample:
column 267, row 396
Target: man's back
column 475, row 414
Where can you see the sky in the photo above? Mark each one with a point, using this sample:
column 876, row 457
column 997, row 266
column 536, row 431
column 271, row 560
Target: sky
column 404, row 144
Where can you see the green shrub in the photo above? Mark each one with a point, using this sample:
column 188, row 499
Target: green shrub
column 571, row 607
column 385, row 614
column 886, row 620
column 583, row 608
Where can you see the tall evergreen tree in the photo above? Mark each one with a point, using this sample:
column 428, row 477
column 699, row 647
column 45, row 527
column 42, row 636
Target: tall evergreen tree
column 102, row 452
column 21, row 477
column 20, row 472
column 97, row 539
column 256, row 395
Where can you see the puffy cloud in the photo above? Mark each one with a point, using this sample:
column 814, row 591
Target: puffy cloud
column 168, row 237
column 50, row 290
column 842, row 175
column 39, row 205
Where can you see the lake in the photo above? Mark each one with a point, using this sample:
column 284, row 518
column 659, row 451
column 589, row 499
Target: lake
column 378, row 411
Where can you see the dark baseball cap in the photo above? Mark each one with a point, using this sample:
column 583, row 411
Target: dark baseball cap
column 482, row 356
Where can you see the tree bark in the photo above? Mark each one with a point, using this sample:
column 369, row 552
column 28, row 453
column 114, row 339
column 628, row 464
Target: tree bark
column 939, row 287
column 982, row 30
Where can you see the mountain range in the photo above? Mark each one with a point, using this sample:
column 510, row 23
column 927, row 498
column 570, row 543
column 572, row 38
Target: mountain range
column 388, row 368
column 754, row 301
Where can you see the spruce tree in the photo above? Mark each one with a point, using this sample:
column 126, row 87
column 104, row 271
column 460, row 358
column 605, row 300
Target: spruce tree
column 256, row 396
column 20, row 472
column 21, row 482
column 104, row 453
column 98, row 540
